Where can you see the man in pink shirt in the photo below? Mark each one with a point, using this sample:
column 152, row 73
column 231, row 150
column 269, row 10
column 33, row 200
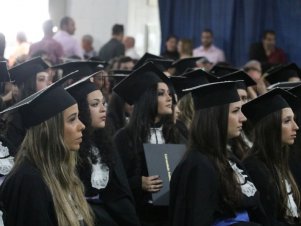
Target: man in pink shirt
column 64, row 36
column 208, row 50
column 47, row 46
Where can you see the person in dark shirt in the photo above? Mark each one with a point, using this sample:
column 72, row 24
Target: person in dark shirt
column 171, row 51
column 266, row 52
column 114, row 47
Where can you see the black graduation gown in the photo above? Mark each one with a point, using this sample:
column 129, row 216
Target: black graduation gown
column 295, row 166
column 135, row 168
column 117, row 206
column 182, row 129
column 265, row 183
column 195, row 195
column 25, row 200
column 15, row 131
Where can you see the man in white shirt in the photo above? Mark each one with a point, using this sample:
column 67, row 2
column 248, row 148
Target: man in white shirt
column 129, row 44
column 64, row 36
column 208, row 50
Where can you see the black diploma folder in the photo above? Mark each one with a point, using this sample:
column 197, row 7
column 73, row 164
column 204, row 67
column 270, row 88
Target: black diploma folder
column 162, row 159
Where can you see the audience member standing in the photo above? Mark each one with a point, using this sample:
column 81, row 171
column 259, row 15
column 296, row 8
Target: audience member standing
column 266, row 51
column 208, row 49
column 87, row 46
column 21, row 49
column 48, row 46
column 114, row 47
column 65, row 37
column 129, row 44
column 171, row 48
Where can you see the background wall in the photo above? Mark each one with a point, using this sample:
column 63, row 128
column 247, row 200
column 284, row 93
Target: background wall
column 96, row 17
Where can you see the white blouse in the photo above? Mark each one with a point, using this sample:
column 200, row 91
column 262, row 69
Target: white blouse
column 156, row 136
column 100, row 172
column 247, row 187
column 6, row 161
column 292, row 209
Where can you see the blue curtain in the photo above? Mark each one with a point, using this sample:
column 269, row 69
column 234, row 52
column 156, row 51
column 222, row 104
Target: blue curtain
column 235, row 24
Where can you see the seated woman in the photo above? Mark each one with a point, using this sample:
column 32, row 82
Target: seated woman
column 151, row 122
column 29, row 77
column 99, row 167
column 295, row 149
column 209, row 186
column 43, row 188
column 267, row 163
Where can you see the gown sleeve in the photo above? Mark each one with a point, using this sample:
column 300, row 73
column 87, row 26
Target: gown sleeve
column 267, row 188
column 26, row 201
column 193, row 193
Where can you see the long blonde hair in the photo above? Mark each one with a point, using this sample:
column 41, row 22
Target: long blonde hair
column 186, row 108
column 44, row 147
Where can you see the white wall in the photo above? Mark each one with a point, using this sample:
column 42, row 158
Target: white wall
column 96, row 17
column 144, row 25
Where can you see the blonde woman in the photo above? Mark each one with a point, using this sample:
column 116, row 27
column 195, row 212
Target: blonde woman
column 42, row 188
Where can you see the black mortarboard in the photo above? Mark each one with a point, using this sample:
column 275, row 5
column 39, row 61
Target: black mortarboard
column 161, row 64
column 214, row 94
column 296, row 91
column 270, row 102
column 80, row 89
column 119, row 75
column 188, row 80
column 242, row 78
column 4, row 75
column 146, row 58
column 182, row 64
column 133, row 86
column 161, row 160
column 284, row 85
column 220, row 71
column 282, row 73
column 44, row 104
column 84, row 68
column 204, row 60
column 20, row 73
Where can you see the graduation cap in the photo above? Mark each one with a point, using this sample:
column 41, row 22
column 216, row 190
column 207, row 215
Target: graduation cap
column 188, row 80
column 213, row 94
column 146, row 58
column 4, row 74
column 219, row 70
column 44, row 104
column 133, row 86
column 84, row 68
column 20, row 73
column 119, row 75
column 161, row 64
column 282, row 73
column 296, row 91
column 204, row 60
column 284, row 85
column 270, row 102
column 162, row 159
column 80, row 89
column 242, row 78
column 182, row 64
